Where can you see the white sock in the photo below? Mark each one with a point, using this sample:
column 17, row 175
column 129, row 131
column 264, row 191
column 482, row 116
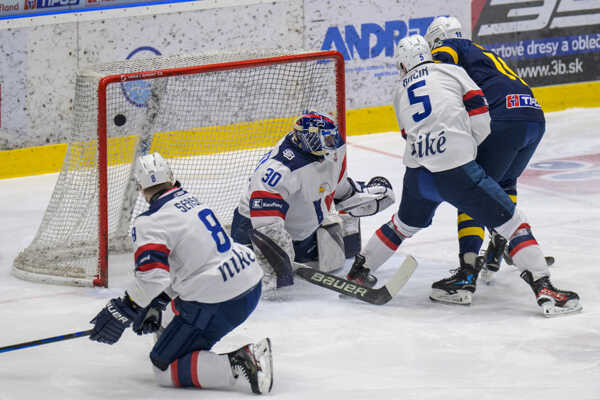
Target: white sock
column 203, row 369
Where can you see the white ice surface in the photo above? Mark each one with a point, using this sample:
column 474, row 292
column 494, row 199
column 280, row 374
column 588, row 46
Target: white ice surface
column 500, row 347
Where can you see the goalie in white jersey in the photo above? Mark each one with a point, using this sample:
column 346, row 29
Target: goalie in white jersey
column 295, row 192
column 183, row 253
column 443, row 115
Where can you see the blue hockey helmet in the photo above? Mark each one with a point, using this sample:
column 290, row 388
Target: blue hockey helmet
column 316, row 133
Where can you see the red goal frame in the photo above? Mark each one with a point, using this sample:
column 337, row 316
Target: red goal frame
column 102, row 277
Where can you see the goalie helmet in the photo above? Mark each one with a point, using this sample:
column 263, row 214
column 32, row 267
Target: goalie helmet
column 443, row 28
column 410, row 52
column 316, row 133
column 152, row 170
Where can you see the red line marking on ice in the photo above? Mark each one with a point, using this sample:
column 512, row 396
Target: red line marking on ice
column 360, row 146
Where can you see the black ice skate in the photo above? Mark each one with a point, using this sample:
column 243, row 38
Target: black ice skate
column 459, row 288
column 493, row 257
column 255, row 363
column 361, row 274
column 553, row 301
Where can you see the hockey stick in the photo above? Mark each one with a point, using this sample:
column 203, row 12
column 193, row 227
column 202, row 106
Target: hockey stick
column 373, row 296
column 40, row 342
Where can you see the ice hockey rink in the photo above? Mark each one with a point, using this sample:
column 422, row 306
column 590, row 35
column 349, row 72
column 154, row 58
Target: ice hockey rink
column 324, row 347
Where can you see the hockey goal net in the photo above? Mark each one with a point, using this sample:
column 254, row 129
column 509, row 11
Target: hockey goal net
column 211, row 116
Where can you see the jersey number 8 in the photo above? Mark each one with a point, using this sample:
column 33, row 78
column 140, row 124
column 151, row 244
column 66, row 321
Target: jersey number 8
column 217, row 232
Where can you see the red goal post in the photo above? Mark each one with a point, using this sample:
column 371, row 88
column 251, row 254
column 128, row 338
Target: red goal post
column 211, row 116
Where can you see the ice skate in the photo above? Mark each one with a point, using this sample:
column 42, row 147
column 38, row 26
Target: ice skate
column 255, row 363
column 459, row 288
column 493, row 257
column 361, row 274
column 553, row 301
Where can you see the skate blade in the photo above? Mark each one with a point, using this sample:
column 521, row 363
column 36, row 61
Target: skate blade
column 551, row 311
column 262, row 353
column 487, row 276
column 461, row 297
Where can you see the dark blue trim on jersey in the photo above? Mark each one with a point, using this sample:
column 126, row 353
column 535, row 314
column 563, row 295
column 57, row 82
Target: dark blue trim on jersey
column 267, row 206
column 157, row 204
column 474, row 102
column 300, row 158
column 152, row 257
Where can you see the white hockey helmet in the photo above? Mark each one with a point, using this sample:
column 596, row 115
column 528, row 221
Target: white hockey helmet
column 410, row 52
column 152, row 170
column 442, row 28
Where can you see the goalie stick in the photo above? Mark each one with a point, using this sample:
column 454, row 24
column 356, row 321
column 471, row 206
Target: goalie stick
column 373, row 296
column 40, row 342
column 282, row 266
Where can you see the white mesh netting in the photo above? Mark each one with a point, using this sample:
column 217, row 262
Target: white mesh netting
column 212, row 127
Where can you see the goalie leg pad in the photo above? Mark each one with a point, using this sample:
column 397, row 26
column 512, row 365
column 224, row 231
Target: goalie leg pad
column 330, row 242
column 352, row 235
column 272, row 257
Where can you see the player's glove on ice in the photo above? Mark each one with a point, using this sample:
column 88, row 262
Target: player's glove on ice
column 149, row 319
column 112, row 320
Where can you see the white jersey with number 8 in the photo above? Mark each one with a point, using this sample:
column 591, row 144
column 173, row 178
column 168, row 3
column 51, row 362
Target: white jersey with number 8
column 181, row 247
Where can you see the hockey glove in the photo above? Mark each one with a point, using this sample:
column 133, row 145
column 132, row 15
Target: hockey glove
column 149, row 319
column 112, row 320
column 368, row 199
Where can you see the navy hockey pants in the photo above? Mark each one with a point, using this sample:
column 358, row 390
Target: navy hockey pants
column 466, row 187
column 505, row 153
column 198, row 326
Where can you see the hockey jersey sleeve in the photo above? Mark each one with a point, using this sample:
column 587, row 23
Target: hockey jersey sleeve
column 152, row 270
column 447, row 53
column 270, row 190
column 343, row 188
column 476, row 106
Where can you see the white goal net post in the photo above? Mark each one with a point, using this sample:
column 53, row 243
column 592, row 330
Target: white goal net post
column 211, row 116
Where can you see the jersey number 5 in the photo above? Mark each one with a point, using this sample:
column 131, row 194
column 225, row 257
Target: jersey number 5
column 414, row 99
column 217, row 232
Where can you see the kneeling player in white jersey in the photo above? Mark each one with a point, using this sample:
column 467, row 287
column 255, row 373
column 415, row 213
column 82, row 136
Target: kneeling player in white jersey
column 292, row 193
column 444, row 116
column 182, row 253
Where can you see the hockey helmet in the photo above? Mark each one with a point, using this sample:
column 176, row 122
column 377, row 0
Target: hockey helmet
column 316, row 133
column 152, row 170
column 410, row 52
column 443, row 28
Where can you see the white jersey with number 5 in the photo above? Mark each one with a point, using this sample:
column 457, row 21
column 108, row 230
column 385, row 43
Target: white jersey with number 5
column 443, row 115
column 181, row 247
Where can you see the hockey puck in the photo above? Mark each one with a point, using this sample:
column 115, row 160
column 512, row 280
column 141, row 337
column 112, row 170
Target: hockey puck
column 120, row 120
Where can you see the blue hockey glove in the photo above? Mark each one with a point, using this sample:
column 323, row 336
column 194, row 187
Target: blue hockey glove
column 149, row 319
column 112, row 320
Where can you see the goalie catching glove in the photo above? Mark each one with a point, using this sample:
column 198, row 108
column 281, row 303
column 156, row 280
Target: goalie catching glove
column 367, row 199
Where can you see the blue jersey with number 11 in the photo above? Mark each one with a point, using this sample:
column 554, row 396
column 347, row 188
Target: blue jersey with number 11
column 509, row 96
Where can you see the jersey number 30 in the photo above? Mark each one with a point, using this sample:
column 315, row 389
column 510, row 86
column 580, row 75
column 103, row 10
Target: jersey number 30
column 217, row 232
column 414, row 99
